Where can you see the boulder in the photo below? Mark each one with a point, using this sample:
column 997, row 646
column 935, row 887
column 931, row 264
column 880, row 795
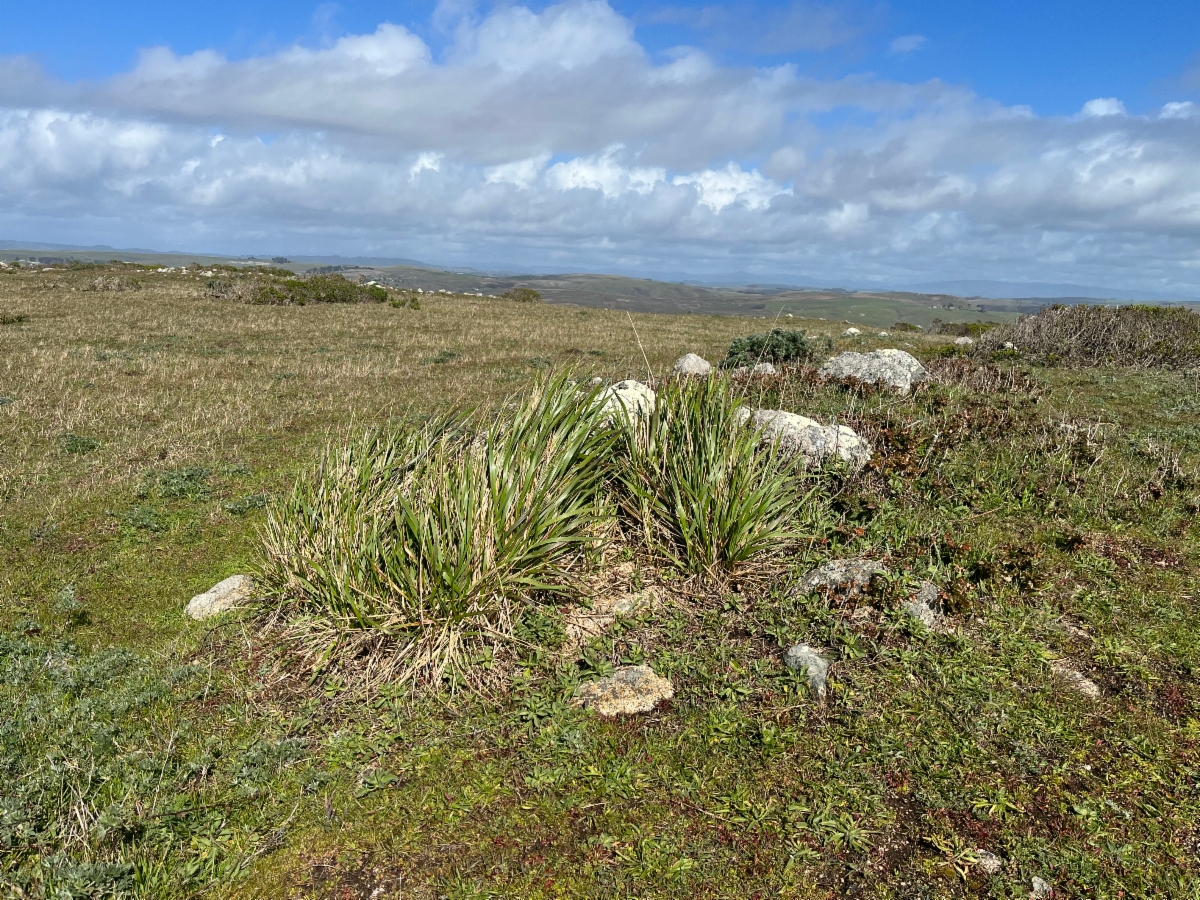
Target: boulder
column 813, row 442
column 691, row 364
column 223, row 595
column 843, row 577
column 763, row 368
column 922, row 606
column 964, row 341
column 628, row 690
column 1075, row 680
column 890, row 368
column 803, row 658
column 630, row 399
column 989, row 863
column 851, row 332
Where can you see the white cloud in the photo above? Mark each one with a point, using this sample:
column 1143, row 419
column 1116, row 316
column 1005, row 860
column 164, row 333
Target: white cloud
column 1103, row 106
column 907, row 43
column 552, row 135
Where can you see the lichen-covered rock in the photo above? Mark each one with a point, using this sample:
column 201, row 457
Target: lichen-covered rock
column 691, row 364
column 988, row 862
column 922, row 606
column 629, row 690
column 964, row 341
column 815, row 443
column 890, row 368
column 851, row 332
column 763, row 368
column 1041, row 889
column 1075, row 679
column 221, row 596
column 584, row 623
column 803, row 658
column 628, row 399
column 843, row 577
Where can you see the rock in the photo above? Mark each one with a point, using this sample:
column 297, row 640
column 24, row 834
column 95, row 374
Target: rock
column 763, row 368
column 816, row 443
column 892, row 368
column 964, row 341
column 1041, row 889
column 630, row 689
column 788, row 316
column 922, row 606
column 845, row 577
column 1009, row 345
column 691, row 364
column 584, row 624
column 221, row 596
column 851, row 332
column 988, row 862
column 1075, row 679
column 804, row 658
column 631, row 399
column 883, row 334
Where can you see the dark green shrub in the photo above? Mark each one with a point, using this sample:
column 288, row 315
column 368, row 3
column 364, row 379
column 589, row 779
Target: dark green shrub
column 1083, row 335
column 315, row 289
column 907, row 326
column 961, row 329
column 776, row 346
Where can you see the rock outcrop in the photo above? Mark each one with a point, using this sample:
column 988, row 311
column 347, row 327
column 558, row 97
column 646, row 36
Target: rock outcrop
column 889, row 368
column 815, row 443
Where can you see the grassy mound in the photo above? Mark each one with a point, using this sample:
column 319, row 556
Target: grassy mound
column 1082, row 335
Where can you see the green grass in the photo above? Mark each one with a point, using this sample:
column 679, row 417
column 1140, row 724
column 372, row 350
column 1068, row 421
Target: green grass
column 147, row 756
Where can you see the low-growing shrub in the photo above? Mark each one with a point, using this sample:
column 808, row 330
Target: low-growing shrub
column 776, row 346
column 698, row 483
column 907, row 327
column 1085, row 335
column 961, row 329
column 522, row 295
column 430, row 537
column 316, row 289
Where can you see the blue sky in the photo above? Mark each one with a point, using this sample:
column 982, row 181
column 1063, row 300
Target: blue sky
column 857, row 142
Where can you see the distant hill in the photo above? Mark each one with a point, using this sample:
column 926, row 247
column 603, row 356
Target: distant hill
column 1012, row 290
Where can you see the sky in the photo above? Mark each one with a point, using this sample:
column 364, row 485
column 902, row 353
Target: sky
column 843, row 142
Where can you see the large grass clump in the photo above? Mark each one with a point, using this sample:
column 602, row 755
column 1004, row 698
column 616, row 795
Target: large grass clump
column 428, row 536
column 699, row 484
column 1085, row 335
column 778, row 346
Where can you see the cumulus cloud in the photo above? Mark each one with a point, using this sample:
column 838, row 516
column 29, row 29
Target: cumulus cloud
column 553, row 135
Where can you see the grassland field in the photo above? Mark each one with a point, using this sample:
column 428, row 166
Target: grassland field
column 145, row 427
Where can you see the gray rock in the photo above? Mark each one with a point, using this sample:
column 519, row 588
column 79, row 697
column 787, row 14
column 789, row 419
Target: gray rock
column 628, row 399
column 989, row 863
column 629, row 690
column 890, row 368
column 851, row 332
column 763, row 368
column 1075, row 680
column 808, row 438
column 1041, row 889
column 844, row 577
column 922, row 606
column 691, row 364
column 804, row 658
column 223, row 595
column 964, row 341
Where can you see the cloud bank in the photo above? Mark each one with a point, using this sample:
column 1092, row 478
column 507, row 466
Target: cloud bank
column 552, row 138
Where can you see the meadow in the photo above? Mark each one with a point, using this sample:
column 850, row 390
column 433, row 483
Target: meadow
column 147, row 427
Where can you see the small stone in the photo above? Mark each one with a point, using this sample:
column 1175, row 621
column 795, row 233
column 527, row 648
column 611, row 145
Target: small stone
column 630, row 399
column 883, row 334
column 629, row 690
column 851, row 332
column 988, row 862
column 1041, row 889
column 221, row 596
column 964, row 341
column 1076, row 680
column 691, row 364
column 763, row 368
column 846, row 577
column 804, row 658
column 922, row 605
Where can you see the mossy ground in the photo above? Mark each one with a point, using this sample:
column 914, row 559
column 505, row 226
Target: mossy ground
column 149, row 755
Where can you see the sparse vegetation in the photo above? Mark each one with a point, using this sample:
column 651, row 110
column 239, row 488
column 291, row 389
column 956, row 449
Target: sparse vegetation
column 777, row 346
column 522, row 295
column 1084, row 335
